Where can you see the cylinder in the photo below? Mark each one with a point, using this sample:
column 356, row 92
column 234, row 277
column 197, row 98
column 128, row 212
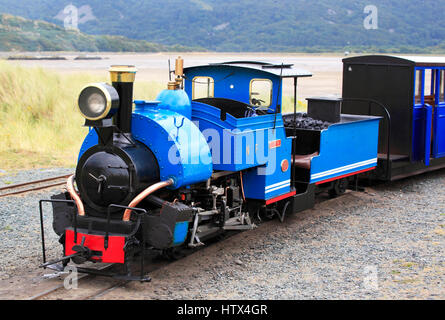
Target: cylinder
column 122, row 78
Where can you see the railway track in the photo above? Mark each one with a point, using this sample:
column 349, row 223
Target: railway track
column 58, row 289
column 86, row 291
column 92, row 287
column 23, row 188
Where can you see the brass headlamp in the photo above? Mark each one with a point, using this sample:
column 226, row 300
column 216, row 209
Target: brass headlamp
column 98, row 101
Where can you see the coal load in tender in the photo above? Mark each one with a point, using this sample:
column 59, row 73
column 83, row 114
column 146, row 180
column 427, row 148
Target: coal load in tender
column 304, row 122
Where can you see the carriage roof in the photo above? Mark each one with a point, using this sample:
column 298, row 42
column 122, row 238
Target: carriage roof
column 414, row 61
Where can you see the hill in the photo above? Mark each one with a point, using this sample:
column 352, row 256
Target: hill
column 20, row 34
column 251, row 25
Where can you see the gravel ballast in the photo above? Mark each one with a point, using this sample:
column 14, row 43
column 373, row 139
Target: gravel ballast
column 20, row 248
column 387, row 243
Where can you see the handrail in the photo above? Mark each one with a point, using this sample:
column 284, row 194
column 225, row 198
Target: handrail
column 140, row 222
column 114, row 206
column 42, row 225
column 388, row 116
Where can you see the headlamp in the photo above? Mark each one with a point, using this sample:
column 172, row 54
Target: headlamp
column 98, row 101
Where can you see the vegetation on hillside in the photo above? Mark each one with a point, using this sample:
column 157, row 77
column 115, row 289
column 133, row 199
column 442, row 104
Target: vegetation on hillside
column 39, row 120
column 20, row 34
column 269, row 25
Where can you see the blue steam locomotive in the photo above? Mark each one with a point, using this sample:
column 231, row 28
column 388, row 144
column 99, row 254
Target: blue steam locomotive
column 214, row 153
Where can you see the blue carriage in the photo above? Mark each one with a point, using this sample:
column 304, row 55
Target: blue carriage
column 408, row 93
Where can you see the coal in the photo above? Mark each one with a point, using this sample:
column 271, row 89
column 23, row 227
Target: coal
column 307, row 123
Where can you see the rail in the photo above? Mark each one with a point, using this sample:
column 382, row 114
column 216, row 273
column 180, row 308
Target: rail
column 36, row 183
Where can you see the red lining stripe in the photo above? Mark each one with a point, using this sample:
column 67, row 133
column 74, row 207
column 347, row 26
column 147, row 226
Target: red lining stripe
column 293, row 193
column 275, row 144
column 345, row 176
column 284, row 196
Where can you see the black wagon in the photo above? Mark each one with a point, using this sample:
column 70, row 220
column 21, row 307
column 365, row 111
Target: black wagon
column 408, row 92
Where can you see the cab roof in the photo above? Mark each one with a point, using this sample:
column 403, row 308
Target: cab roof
column 281, row 70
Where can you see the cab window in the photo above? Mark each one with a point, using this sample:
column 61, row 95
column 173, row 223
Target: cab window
column 203, row 87
column 261, row 93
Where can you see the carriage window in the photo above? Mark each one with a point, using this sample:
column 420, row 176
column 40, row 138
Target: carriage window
column 429, row 82
column 442, row 86
column 203, row 87
column 418, row 86
column 261, row 92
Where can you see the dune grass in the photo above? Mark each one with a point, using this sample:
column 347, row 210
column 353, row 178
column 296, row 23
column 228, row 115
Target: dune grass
column 40, row 125
column 288, row 105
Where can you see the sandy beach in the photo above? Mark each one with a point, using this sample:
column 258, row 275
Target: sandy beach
column 326, row 69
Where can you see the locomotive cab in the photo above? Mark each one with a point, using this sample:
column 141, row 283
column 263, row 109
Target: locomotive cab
column 256, row 85
column 238, row 107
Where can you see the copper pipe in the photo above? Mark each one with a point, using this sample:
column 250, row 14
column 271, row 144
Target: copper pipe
column 242, row 186
column 75, row 196
column 179, row 72
column 144, row 194
column 179, row 68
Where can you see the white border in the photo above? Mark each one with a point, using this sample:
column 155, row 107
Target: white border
column 342, row 169
column 278, row 186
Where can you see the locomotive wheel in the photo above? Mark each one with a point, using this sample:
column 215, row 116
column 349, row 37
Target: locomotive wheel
column 339, row 188
column 173, row 254
column 268, row 214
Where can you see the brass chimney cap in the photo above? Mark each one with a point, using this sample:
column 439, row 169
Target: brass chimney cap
column 123, row 73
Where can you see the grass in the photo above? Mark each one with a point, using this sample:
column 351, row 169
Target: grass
column 408, row 265
column 406, row 281
column 288, row 105
column 40, row 125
